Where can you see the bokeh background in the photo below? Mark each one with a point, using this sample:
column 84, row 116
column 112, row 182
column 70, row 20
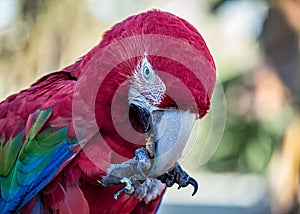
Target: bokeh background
column 255, row 44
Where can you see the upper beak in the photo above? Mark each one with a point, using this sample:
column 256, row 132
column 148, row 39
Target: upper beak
column 170, row 130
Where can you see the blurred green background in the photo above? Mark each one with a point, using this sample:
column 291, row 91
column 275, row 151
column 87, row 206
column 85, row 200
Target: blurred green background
column 255, row 44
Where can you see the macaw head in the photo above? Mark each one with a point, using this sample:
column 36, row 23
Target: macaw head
column 157, row 77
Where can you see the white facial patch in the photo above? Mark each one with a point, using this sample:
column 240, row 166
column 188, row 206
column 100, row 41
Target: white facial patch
column 146, row 86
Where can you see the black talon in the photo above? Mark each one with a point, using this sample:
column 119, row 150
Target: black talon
column 194, row 183
column 179, row 176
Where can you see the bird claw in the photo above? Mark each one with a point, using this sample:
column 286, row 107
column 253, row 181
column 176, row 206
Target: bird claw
column 179, row 176
column 127, row 189
column 143, row 159
column 131, row 173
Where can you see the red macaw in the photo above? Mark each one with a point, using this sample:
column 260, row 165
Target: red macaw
column 104, row 134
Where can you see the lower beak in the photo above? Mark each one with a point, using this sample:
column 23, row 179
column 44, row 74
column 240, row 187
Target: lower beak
column 142, row 117
column 170, row 130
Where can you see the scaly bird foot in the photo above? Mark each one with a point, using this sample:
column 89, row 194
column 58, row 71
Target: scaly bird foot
column 132, row 172
column 143, row 160
column 179, row 176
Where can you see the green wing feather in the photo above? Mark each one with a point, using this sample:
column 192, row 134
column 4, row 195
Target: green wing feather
column 21, row 164
column 9, row 153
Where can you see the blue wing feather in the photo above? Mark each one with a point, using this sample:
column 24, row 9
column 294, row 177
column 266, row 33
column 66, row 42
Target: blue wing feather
column 38, row 161
column 25, row 193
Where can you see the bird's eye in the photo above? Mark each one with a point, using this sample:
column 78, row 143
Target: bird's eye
column 147, row 71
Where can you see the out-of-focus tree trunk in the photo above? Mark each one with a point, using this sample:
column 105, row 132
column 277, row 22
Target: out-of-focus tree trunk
column 281, row 41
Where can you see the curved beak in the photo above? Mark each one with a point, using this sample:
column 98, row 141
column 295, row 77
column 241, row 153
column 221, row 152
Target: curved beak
column 170, row 131
column 167, row 132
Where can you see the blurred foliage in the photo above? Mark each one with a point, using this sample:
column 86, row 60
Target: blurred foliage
column 251, row 137
column 45, row 36
column 248, row 142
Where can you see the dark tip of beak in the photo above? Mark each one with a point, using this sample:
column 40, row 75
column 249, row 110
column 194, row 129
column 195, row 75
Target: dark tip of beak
column 141, row 116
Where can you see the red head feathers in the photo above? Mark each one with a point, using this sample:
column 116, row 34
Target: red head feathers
column 173, row 50
column 199, row 77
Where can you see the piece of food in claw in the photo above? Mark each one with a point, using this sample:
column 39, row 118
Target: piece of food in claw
column 170, row 135
column 150, row 147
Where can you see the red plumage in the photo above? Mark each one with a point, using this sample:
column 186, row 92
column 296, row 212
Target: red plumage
column 75, row 185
